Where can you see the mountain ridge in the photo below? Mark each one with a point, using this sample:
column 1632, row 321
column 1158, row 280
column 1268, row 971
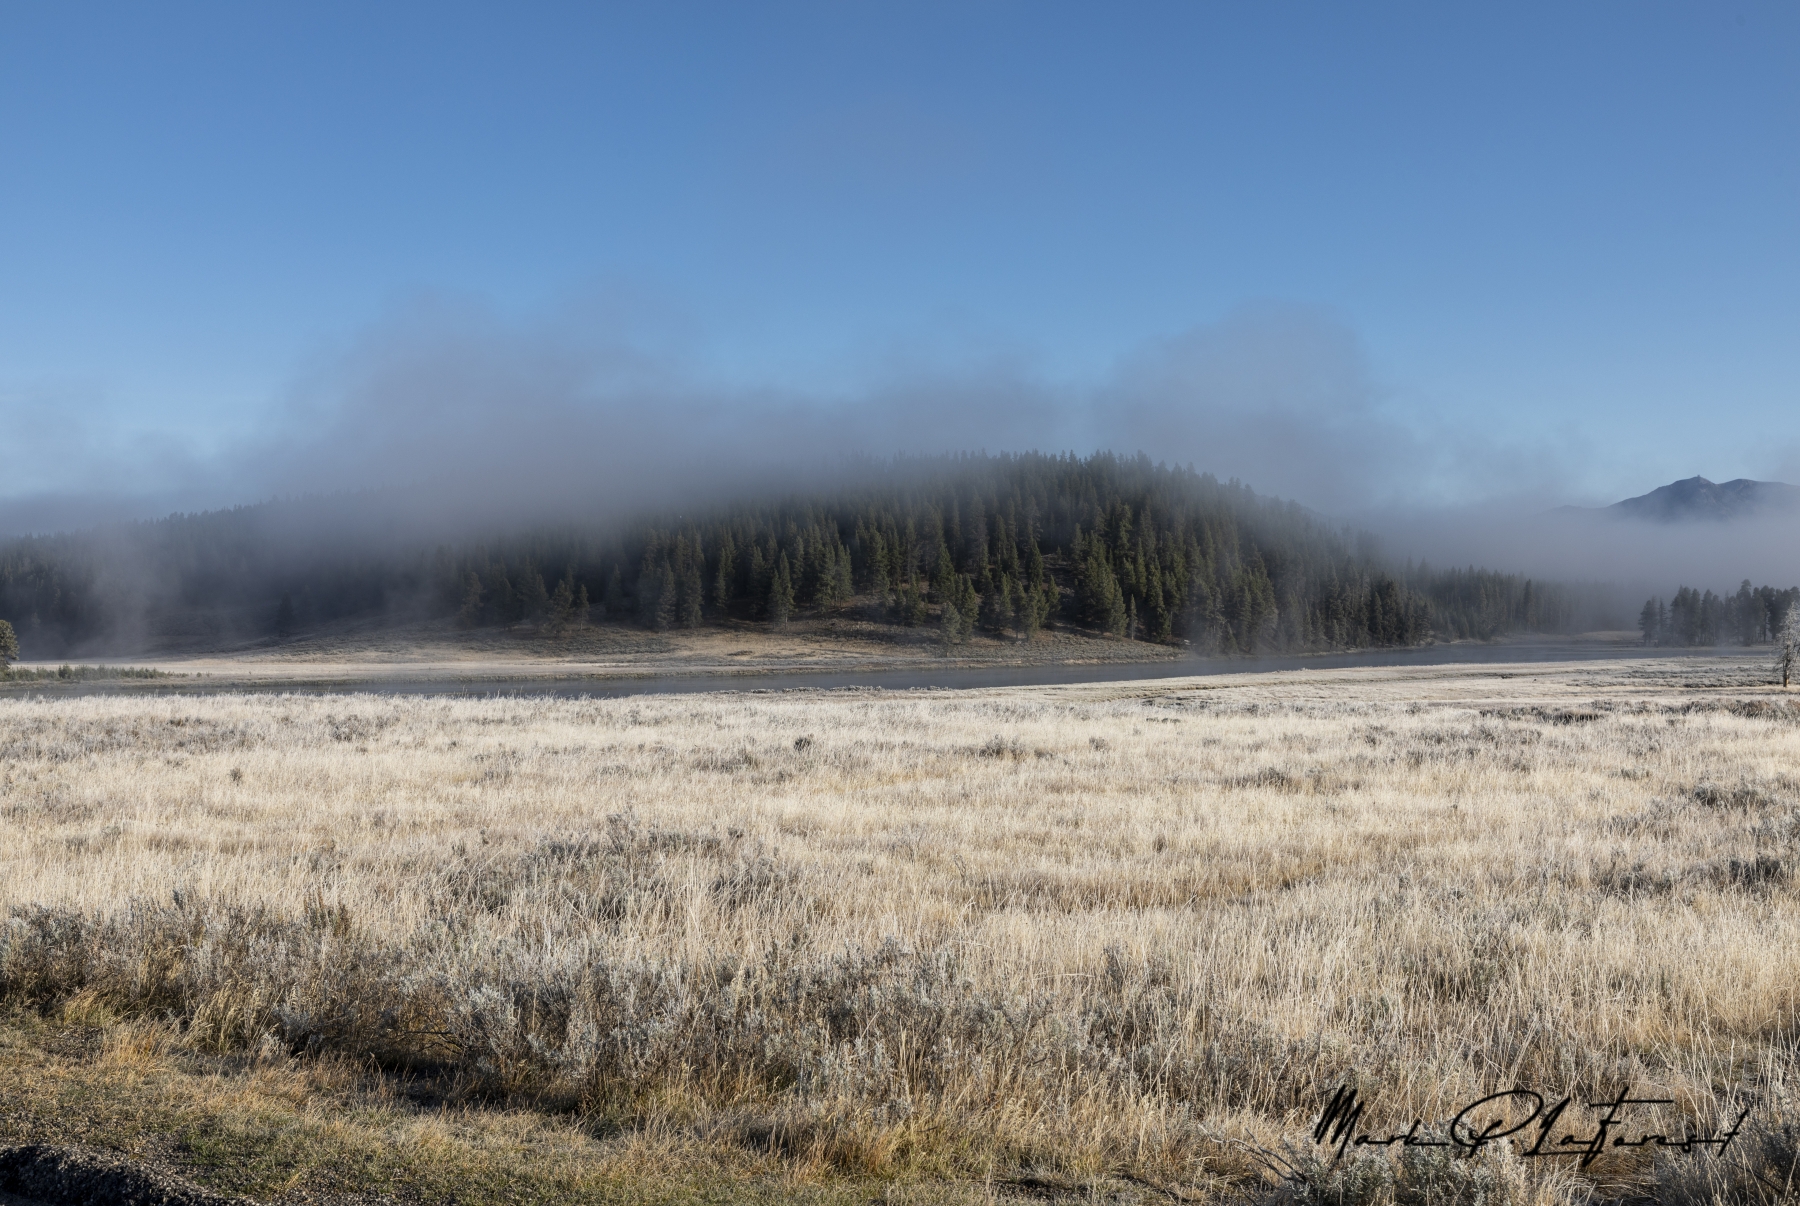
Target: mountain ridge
column 1695, row 499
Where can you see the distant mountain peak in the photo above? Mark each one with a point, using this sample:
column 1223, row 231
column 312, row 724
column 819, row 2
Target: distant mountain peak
column 1695, row 498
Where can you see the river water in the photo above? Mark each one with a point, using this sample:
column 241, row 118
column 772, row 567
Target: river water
column 910, row 678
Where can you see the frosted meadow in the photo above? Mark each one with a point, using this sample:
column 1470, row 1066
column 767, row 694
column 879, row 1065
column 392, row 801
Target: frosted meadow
column 1071, row 941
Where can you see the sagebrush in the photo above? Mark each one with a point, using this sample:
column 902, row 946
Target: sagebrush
column 940, row 934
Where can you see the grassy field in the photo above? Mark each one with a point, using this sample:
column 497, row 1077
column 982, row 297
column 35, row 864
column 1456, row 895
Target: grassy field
column 441, row 651
column 1096, row 942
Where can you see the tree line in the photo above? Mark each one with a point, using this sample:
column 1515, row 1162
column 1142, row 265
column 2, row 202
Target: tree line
column 1479, row 604
column 1752, row 616
column 1005, row 545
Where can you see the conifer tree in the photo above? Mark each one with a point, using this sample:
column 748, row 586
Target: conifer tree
column 877, row 578
column 688, row 611
column 781, row 593
column 469, row 614
column 725, row 580
column 664, row 601
column 1098, row 599
column 534, row 600
column 649, row 591
column 1029, row 609
column 506, row 601
column 1745, row 614
column 997, row 612
column 9, row 646
column 613, row 602
column 960, row 607
column 561, row 609
column 761, row 573
column 838, row 573
column 943, row 578
column 909, row 607
column 968, row 605
column 1159, row 617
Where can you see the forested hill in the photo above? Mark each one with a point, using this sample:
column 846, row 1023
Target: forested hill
column 1002, row 544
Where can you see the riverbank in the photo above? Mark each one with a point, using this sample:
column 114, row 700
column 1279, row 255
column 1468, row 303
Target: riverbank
column 615, row 661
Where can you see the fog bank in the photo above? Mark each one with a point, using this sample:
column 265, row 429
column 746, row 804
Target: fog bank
column 462, row 417
column 1639, row 558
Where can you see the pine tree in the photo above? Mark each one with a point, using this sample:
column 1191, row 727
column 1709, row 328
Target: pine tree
column 9, row 646
column 533, row 598
column 506, row 600
column 689, row 612
column 469, row 614
column 943, row 579
column 613, row 602
column 761, row 575
column 839, row 571
column 877, row 574
column 909, row 607
column 725, row 580
column 997, row 605
column 561, row 609
column 968, row 602
column 649, row 591
column 1098, row 599
column 1161, row 617
column 663, row 605
column 1030, row 608
column 781, row 594
column 1746, row 614
column 960, row 607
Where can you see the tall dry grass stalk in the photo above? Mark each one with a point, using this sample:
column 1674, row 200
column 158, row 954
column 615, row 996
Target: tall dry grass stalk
column 943, row 934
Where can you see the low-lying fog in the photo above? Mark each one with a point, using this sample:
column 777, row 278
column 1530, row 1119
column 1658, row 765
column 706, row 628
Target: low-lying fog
column 481, row 422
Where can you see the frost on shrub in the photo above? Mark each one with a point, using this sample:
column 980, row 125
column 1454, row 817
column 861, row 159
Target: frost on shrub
column 1761, row 1167
column 1418, row 1176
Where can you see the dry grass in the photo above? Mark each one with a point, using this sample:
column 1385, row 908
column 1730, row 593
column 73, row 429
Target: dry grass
column 440, row 651
column 1044, row 937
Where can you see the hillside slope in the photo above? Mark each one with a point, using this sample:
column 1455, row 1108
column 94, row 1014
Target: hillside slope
column 1008, row 545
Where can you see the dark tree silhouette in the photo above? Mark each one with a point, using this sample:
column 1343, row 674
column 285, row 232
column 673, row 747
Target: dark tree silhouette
column 1105, row 543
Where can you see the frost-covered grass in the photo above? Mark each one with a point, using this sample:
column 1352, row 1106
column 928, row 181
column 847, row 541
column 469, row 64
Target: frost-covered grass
column 1054, row 934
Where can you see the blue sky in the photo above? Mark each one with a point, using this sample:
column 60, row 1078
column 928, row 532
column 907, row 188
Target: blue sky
column 1557, row 244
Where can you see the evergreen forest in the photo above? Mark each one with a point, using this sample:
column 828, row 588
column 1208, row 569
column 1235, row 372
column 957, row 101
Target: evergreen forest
column 1751, row 616
column 1003, row 545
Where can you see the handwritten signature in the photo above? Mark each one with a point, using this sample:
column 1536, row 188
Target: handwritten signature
column 1338, row 1127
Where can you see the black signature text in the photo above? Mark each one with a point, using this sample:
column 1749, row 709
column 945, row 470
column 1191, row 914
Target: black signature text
column 1468, row 1132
